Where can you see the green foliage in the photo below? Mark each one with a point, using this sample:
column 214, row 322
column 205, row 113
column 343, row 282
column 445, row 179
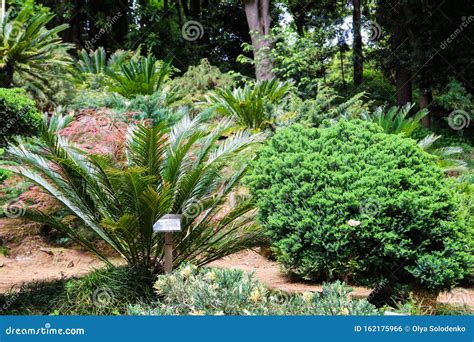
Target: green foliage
column 106, row 291
column 448, row 157
column 91, row 68
column 177, row 170
column 376, row 86
column 30, row 52
column 4, row 174
column 251, row 106
column 302, row 59
column 155, row 108
column 201, row 291
column 200, row 79
column 325, row 106
column 19, row 114
column 140, row 77
column 398, row 120
column 455, row 97
column 351, row 202
column 88, row 98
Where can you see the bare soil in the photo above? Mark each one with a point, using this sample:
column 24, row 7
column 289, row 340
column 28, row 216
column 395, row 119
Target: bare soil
column 32, row 258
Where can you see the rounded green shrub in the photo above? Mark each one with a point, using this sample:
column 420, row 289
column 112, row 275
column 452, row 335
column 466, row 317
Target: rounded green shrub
column 18, row 113
column 353, row 203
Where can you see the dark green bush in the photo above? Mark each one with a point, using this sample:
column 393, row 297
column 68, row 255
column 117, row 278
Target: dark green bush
column 4, row 173
column 18, row 114
column 351, row 202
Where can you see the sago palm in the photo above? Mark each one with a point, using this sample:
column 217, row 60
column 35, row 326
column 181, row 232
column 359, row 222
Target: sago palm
column 92, row 67
column 142, row 76
column 182, row 170
column 397, row 119
column 251, row 106
column 29, row 50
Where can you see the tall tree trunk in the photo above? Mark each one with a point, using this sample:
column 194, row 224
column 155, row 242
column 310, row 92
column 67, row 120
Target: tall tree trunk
column 426, row 97
column 403, row 84
column 120, row 28
column 425, row 101
column 74, row 33
column 357, row 43
column 184, row 4
column 259, row 20
column 195, row 8
column 341, row 55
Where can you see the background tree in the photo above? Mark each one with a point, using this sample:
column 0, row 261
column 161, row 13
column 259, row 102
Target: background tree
column 259, row 21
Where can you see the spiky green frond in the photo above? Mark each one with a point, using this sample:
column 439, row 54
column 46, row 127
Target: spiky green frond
column 178, row 170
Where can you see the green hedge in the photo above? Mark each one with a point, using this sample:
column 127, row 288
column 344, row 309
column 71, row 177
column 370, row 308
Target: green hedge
column 18, row 113
column 351, row 202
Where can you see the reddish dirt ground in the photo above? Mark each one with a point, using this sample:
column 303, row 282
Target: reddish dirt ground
column 31, row 258
column 269, row 273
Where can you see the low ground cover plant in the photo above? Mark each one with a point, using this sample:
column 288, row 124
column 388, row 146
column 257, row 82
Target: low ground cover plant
column 211, row 291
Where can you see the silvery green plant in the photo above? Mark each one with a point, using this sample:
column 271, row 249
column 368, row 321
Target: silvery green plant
column 208, row 291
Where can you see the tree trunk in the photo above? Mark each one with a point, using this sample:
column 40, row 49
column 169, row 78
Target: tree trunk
column 195, row 8
column 425, row 101
column 357, row 44
column 341, row 55
column 258, row 19
column 6, row 76
column 184, row 4
column 403, row 84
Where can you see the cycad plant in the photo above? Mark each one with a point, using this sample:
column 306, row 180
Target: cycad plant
column 142, row 76
column 397, row 119
column 30, row 51
column 91, row 67
column 448, row 157
column 251, row 106
column 182, row 170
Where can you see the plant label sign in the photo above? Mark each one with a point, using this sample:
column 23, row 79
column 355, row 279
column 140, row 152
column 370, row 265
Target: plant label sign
column 168, row 223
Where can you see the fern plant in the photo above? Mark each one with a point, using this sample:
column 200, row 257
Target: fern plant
column 140, row 77
column 30, row 51
column 177, row 170
column 251, row 106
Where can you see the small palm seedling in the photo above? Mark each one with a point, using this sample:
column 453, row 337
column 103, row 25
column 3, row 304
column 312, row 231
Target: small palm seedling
column 182, row 170
column 251, row 106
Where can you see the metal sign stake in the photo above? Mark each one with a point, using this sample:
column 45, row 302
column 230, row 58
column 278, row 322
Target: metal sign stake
column 168, row 252
column 168, row 224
